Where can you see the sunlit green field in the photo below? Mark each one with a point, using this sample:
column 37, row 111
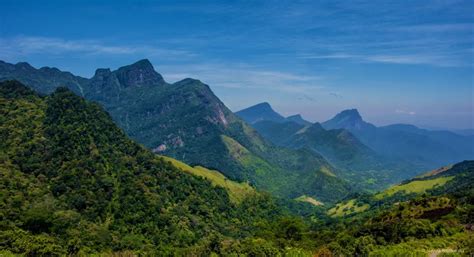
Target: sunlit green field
column 416, row 186
column 237, row 191
column 346, row 208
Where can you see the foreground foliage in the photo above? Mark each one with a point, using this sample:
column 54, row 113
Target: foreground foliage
column 73, row 183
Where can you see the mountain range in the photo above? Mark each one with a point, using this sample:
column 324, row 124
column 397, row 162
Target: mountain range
column 73, row 183
column 354, row 161
column 289, row 157
column 373, row 156
column 186, row 121
column 424, row 149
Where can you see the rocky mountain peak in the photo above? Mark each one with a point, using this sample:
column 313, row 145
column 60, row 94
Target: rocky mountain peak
column 296, row 116
column 352, row 114
column 24, row 65
column 263, row 106
column 317, row 126
column 101, row 72
column 348, row 119
column 259, row 112
column 298, row 119
column 139, row 74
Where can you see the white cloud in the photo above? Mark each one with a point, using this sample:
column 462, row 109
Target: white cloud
column 435, row 60
column 398, row 111
column 440, row 60
column 244, row 77
column 437, row 28
column 330, row 56
column 27, row 45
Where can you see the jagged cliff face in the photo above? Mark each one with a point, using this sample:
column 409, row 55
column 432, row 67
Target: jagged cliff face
column 139, row 74
column 162, row 116
column 107, row 84
column 104, row 85
column 172, row 119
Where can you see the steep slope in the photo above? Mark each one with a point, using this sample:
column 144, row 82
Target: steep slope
column 238, row 192
column 410, row 222
column 456, row 179
column 186, row 121
column 423, row 149
column 259, row 112
column 443, row 180
column 73, row 183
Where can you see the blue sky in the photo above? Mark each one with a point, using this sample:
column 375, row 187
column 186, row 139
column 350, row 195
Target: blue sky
column 396, row 61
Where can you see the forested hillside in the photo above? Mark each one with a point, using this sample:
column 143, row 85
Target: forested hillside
column 422, row 216
column 73, row 183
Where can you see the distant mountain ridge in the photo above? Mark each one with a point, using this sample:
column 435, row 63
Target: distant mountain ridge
column 259, row 112
column 348, row 119
column 185, row 120
column 47, row 79
column 297, row 118
column 265, row 112
column 355, row 161
column 403, row 142
column 396, row 151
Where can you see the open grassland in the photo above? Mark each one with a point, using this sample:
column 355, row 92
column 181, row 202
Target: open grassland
column 346, row 208
column 416, row 186
column 237, row 191
column 308, row 199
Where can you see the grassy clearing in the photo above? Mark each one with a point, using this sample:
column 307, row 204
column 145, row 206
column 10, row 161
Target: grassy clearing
column 237, row 191
column 416, row 186
column 308, row 199
column 326, row 171
column 346, row 208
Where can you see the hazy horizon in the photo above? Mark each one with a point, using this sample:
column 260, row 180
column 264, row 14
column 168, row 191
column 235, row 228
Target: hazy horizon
column 393, row 63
